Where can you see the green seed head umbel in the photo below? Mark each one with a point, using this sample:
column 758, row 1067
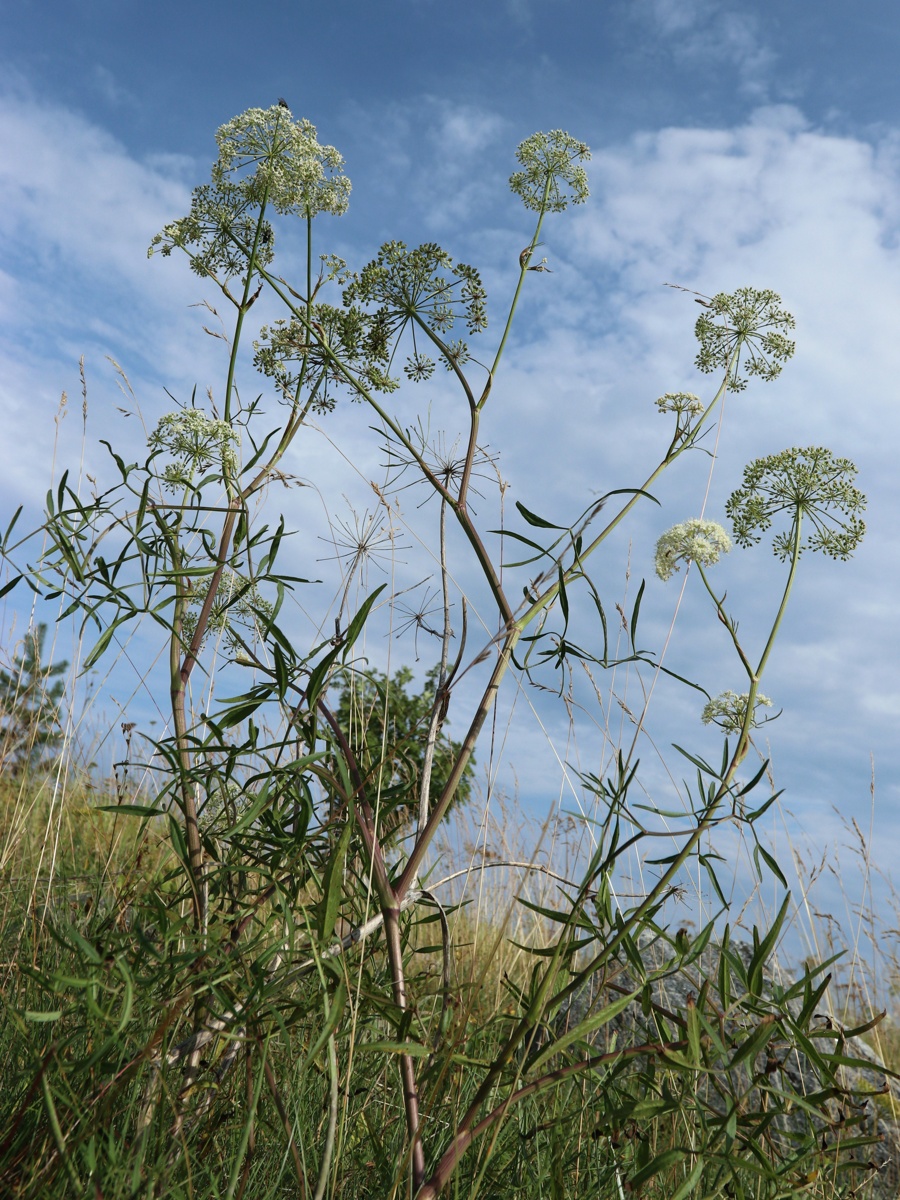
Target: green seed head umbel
column 809, row 484
column 744, row 329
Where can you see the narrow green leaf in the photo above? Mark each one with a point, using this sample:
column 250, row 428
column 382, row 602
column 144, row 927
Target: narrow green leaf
column 355, row 627
column 698, row 762
column 563, row 598
column 131, row 810
column 519, row 537
column 124, row 471
column 758, row 812
column 628, row 492
column 760, row 852
column 102, row 642
column 177, row 836
column 332, row 883
column 89, row 951
column 8, row 587
column 142, row 505
column 635, row 613
column 690, row 1182
column 748, row 787
column 281, row 671
column 10, row 527
column 731, row 1126
column 68, row 552
column 706, row 863
column 763, row 950
column 413, row 1049
column 534, row 519
column 318, row 675
column 245, row 708
column 275, row 545
column 336, row 1006
column 584, row 1028
column 263, row 800
column 693, row 1032
column 61, row 491
column 757, row 1041
column 662, row 1162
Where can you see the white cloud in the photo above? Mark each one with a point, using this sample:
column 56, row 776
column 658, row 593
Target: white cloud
column 69, row 191
column 77, row 213
column 108, row 86
column 436, row 160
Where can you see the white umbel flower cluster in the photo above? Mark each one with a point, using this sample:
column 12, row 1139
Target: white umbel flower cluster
column 729, row 710
column 196, row 442
column 692, row 541
column 273, row 154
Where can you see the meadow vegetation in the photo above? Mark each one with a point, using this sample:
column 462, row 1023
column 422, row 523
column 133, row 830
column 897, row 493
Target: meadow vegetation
column 299, row 944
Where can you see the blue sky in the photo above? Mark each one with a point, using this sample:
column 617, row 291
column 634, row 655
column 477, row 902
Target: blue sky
column 732, row 145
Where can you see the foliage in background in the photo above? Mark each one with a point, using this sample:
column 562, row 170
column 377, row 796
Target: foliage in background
column 387, row 729
column 31, row 694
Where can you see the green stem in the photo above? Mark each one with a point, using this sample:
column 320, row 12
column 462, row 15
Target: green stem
column 243, row 307
column 795, row 558
column 58, row 1136
column 756, row 676
column 177, row 695
column 523, row 269
column 726, row 621
column 674, row 452
column 407, row 1066
column 248, row 1125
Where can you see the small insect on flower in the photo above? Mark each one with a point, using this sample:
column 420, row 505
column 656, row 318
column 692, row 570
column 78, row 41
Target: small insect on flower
column 283, row 103
column 525, row 257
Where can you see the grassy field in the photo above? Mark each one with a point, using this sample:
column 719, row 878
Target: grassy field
column 100, row 981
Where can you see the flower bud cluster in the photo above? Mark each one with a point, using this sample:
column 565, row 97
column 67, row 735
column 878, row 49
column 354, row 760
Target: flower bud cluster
column 551, row 173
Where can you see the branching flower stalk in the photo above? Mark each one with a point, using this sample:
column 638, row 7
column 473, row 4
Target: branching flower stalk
column 789, row 485
column 287, row 162
column 361, row 389
column 682, row 440
column 799, row 489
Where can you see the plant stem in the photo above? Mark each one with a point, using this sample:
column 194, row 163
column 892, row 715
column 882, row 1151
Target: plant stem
column 523, row 268
column 407, row 1066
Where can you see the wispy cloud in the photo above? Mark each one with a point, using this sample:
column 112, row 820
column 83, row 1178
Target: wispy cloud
column 107, row 84
column 712, row 33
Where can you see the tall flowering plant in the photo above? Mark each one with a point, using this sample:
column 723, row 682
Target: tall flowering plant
column 291, row 909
